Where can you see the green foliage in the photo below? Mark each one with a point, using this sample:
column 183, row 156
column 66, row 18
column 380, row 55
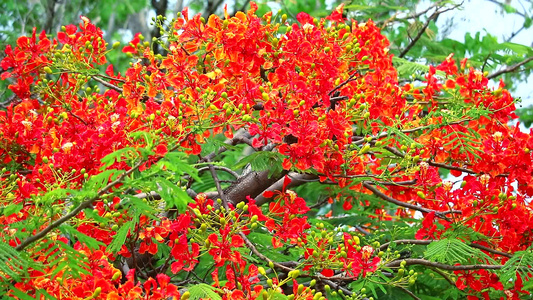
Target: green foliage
column 526, row 116
column 121, row 236
column 74, row 234
column 203, row 291
column 262, row 161
column 12, row 265
column 408, row 68
column 520, row 263
column 452, row 251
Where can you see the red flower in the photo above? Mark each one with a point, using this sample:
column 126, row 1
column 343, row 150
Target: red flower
column 336, row 15
column 357, row 262
column 132, row 46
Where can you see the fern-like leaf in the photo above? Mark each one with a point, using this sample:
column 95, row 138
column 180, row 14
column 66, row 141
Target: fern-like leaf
column 521, row 262
column 203, row 290
column 262, row 161
column 406, row 68
column 452, row 251
column 12, row 265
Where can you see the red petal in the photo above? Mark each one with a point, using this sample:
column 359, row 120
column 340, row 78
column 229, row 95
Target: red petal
column 327, row 272
column 304, row 18
column 286, row 182
column 268, row 194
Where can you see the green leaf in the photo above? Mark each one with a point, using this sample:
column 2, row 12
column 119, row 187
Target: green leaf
column 121, row 236
column 508, row 8
column 12, row 265
column 148, row 138
column 516, row 48
column 99, row 181
column 12, row 209
column 406, row 68
column 81, row 237
column 46, row 295
column 527, row 22
column 118, row 156
column 278, row 295
column 452, row 251
column 521, row 262
column 173, row 195
column 176, row 161
column 203, row 290
column 20, row 294
column 262, row 161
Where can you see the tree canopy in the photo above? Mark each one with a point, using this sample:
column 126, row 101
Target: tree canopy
column 258, row 157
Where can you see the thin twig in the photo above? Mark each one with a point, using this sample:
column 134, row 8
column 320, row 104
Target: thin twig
column 85, row 204
column 345, row 82
column 110, row 78
column 252, row 247
column 221, row 168
column 361, row 141
column 107, row 84
column 413, row 16
column 77, row 117
column 417, row 261
column 387, row 198
column 427, row 242
column 444, row 275
column 217, row 184
column 408, row 292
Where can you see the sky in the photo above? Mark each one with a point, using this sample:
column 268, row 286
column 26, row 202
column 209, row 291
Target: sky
column 485, row 16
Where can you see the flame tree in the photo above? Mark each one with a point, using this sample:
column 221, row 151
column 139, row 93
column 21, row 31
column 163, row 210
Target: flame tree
column 257, row 159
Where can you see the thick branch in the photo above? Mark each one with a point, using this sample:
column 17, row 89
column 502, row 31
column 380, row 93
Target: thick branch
column 297, row 179
column 251, row 184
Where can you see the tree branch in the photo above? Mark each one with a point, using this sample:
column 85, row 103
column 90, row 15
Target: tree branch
column 107, row 84
column 251, row 184
column 297, row 179
column 423, row 29
column 427, row 242
column 217, row 184
column 387, row 198
column 408, row 292
column 510, row 68
column 416, row 261
column 85, row 204
column 221, row 168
